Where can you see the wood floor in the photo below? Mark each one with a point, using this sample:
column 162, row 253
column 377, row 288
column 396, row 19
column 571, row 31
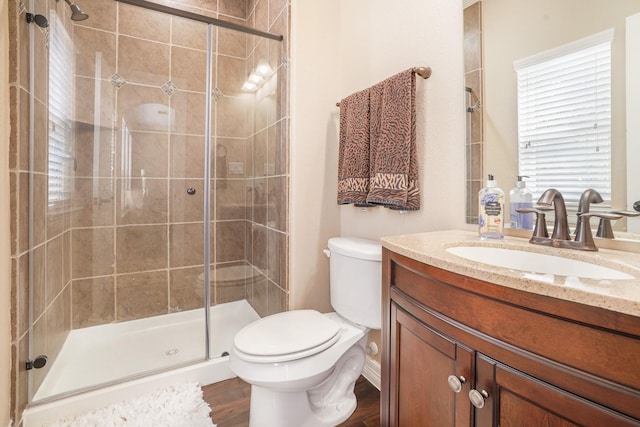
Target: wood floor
column 229, row 401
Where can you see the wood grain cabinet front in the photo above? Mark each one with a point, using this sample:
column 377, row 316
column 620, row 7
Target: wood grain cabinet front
column 423, row 362
column 462, row 352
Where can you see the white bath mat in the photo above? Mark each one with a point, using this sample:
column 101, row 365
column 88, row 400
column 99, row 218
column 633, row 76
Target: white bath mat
column 174, row 406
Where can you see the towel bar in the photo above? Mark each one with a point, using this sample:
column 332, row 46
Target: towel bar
column 424, row 72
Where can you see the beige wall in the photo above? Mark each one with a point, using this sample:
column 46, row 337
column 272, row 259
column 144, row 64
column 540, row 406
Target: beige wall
column 315, row 90
column 5, row 250
column 332, row 58
column 378, row 41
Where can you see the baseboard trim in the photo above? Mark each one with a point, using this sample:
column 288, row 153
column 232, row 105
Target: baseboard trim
column 371, row 371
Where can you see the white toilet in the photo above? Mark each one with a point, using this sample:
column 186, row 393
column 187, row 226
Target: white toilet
column 302, row 365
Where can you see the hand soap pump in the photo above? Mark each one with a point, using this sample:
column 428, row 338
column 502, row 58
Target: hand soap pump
column 491, row 211
column 520, row 197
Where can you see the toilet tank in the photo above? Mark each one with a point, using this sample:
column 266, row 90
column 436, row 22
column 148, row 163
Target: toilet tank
column 356, row 280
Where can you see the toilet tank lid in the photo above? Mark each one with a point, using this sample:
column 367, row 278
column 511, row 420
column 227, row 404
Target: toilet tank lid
column 356, row 247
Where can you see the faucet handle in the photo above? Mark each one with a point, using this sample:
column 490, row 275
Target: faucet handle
column 625, row 213
column 604, row 227
column 583, row 231
column 605, row 215
column 540, row 229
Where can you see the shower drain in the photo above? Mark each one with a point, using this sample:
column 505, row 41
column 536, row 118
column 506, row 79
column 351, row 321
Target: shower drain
column 171, row 352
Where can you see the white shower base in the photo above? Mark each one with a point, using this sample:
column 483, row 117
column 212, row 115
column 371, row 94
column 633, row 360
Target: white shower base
column 104, row 354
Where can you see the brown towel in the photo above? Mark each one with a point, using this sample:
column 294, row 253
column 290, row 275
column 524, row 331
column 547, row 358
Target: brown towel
column 393, row 152
column 353, row 157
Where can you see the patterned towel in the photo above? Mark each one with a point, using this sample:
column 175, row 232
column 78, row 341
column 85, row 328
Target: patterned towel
column 393, row 152
column 353, row 157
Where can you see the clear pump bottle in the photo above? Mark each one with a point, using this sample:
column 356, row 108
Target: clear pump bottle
column 520, row 197
column 491, row 211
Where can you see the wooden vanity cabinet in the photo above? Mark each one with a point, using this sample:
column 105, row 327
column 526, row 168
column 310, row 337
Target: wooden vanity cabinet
column 529, row 360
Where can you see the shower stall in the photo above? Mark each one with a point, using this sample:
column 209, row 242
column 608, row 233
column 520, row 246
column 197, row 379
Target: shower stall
column 151, row 187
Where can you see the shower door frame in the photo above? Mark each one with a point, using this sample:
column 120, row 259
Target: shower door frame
column 201, row 18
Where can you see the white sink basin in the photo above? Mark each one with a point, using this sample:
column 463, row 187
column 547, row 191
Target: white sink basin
column 532, row 262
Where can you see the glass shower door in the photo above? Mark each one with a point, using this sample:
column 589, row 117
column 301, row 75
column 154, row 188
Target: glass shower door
column 126, row 190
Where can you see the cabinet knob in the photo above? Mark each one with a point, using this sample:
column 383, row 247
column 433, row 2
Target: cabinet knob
column 455, row 383
column 477, row 398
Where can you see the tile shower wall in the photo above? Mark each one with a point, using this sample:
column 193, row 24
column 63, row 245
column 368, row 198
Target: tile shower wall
column 136, row 234
column 473, row 79
column 127, row 241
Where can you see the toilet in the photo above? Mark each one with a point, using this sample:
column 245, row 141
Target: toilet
column 302, row 365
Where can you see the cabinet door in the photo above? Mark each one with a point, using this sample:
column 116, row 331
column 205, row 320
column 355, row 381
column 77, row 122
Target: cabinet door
column 422, row 361
column 523, row 401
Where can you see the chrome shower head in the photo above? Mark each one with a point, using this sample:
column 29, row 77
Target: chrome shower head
column 76, row 13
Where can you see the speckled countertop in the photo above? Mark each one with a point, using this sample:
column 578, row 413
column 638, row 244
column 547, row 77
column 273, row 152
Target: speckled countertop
column 617, row 295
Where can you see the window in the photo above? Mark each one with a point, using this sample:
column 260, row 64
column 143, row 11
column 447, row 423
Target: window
column 61, row 77
column 564, row 118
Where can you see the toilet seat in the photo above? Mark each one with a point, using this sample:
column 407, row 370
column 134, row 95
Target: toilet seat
column 286, row 336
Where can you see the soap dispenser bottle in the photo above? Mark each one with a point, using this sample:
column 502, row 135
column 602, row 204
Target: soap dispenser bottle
column 491, row 211
column 520, row 197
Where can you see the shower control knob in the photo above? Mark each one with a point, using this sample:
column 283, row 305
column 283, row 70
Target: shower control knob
column 636, row 205
column 191, row 191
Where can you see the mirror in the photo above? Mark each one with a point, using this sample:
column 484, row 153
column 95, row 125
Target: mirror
column 514, row 29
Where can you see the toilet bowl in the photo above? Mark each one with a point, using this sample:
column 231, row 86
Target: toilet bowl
column 302, row 365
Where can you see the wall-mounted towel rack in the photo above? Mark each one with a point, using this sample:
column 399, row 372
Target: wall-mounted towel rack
column 424, row 72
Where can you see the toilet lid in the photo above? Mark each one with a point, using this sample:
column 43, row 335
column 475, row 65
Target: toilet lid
column 287, row 336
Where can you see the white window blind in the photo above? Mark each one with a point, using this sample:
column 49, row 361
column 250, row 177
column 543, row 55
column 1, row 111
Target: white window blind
column 564, row 119
column 61, row 77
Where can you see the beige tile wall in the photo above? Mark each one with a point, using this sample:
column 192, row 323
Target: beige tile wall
column 248, row 130
column 475, row 134
column 128, row 244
